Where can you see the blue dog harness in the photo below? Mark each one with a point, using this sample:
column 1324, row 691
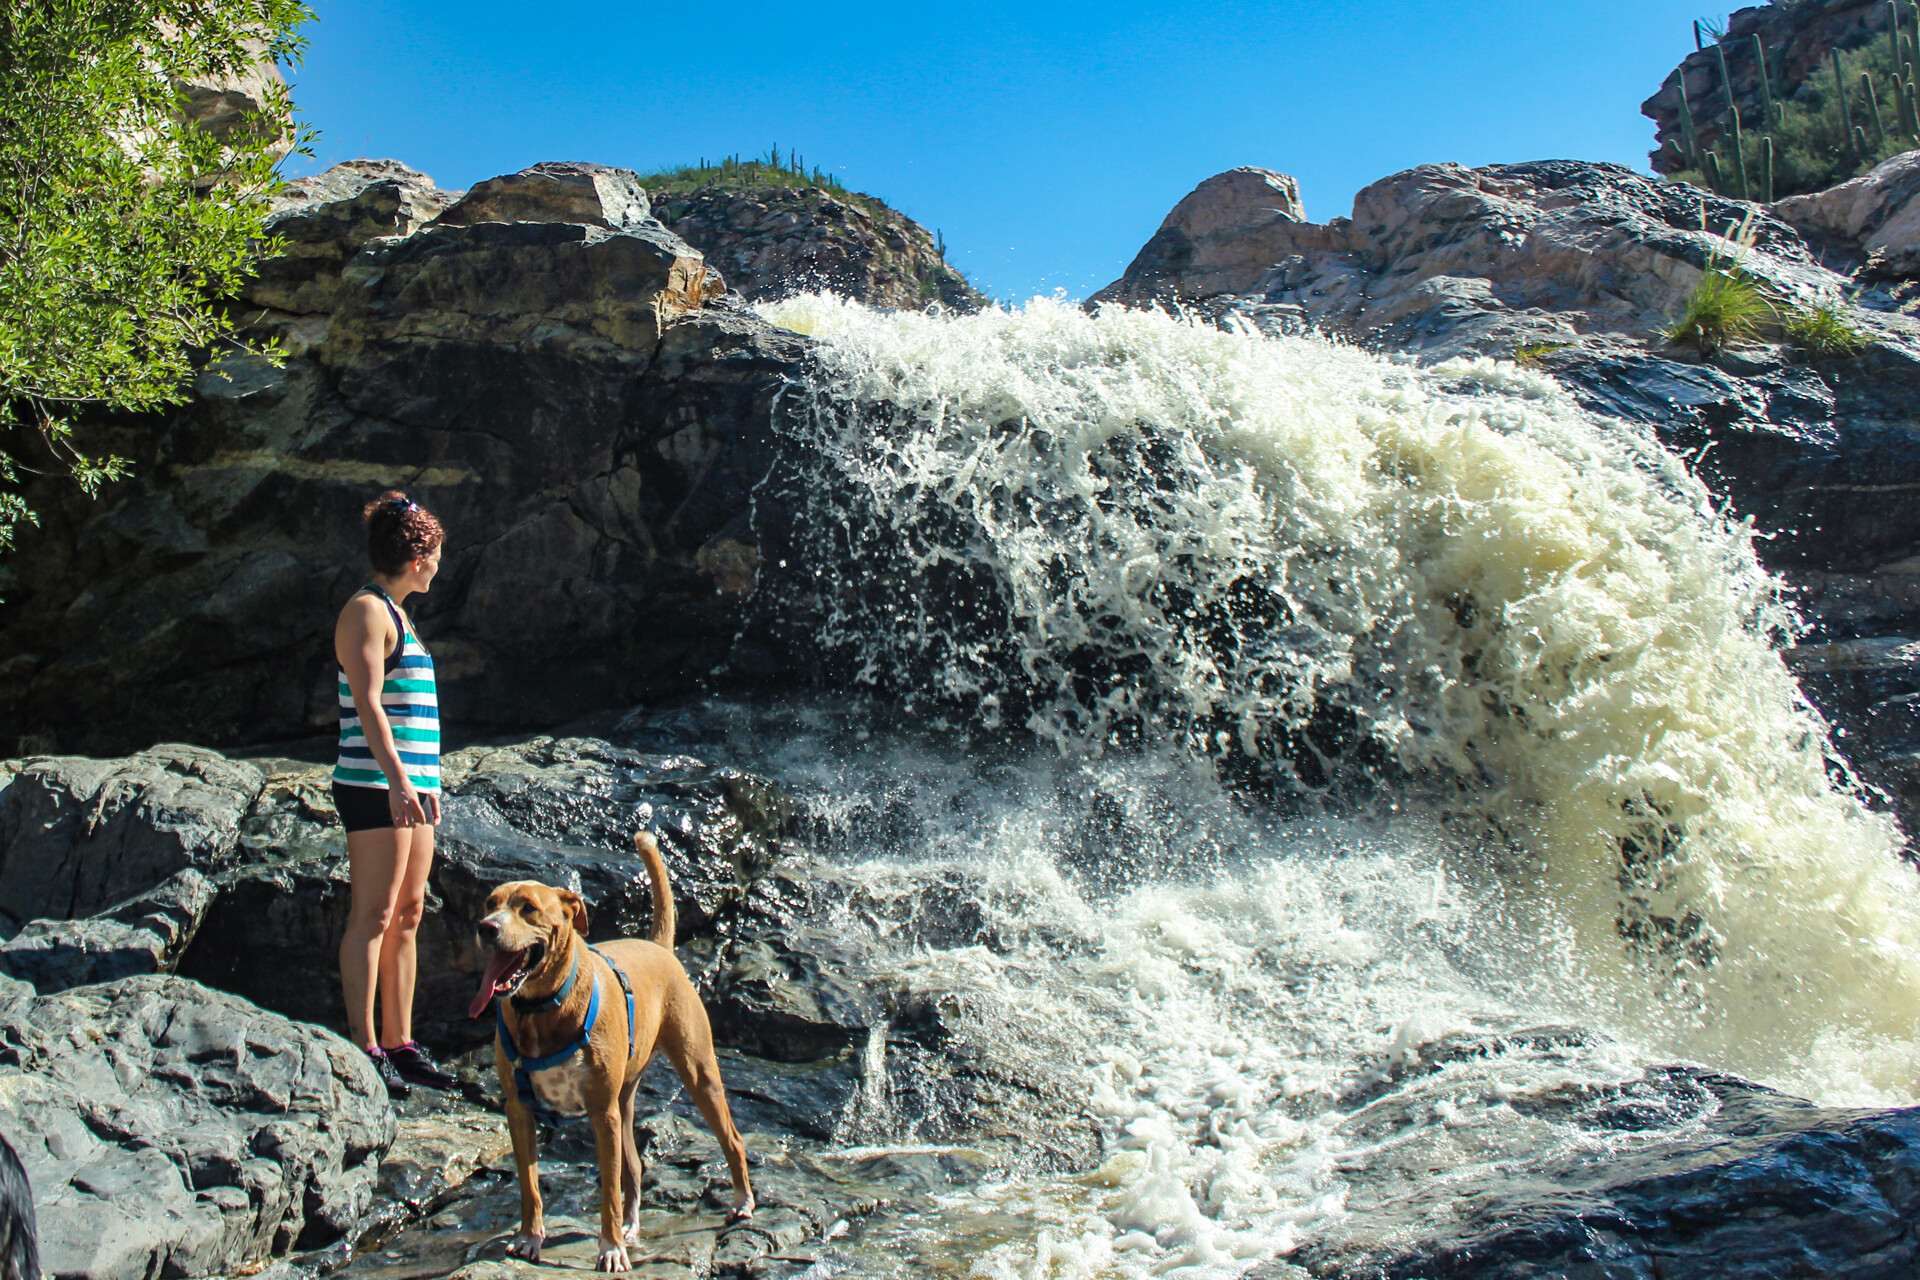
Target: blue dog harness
column 523, row 1068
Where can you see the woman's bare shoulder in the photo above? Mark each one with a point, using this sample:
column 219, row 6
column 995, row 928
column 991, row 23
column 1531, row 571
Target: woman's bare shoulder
column 363, row 614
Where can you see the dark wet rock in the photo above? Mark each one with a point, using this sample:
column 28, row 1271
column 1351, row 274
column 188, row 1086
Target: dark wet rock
column 1761, row 1185
column 170, row 1129
column 775, row 242
column 79, row 835
column 147, row 934
column 587, row 431
column 790, row 998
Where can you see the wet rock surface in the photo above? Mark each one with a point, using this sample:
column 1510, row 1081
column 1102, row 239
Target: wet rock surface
column 1741, row 1181
column 170, row 1129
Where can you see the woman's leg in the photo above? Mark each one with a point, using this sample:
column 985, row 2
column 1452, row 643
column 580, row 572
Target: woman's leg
column 397, row 959
column 375, row 860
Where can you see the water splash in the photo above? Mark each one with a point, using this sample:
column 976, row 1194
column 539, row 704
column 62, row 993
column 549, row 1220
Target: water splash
column 1126, row 529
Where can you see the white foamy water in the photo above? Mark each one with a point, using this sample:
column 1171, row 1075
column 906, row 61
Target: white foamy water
column 1607, row 802
column 1219, row 991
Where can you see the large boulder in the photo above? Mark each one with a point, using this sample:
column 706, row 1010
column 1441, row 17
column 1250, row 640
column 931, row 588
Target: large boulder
column 1873, row 218
column 320, row 222
column 554, row 388
column 78, row 836
column 593, row 195
column 173, row 1130
column 1225, row 234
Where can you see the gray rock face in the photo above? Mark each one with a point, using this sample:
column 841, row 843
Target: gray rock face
column 1872, row 220
column 169, row 1129
column 589, row 434
column 77, row 835
column 324, row 220
column 1442, row 260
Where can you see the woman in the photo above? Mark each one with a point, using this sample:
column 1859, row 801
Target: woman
column 387, row 787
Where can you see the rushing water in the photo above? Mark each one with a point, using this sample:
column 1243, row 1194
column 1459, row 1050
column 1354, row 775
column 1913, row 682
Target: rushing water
column 1364, row 705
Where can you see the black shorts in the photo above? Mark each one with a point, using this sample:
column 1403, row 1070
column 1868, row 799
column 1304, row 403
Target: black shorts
column 366, row 808
column 362, row 808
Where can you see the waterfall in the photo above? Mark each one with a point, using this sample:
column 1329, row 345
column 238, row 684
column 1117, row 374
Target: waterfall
column 1418, row 701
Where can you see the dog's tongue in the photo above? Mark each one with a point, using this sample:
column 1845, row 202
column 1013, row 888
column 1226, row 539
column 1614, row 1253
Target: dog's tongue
column 493, row 981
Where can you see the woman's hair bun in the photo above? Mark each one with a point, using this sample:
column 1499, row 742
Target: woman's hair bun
column 399, row 531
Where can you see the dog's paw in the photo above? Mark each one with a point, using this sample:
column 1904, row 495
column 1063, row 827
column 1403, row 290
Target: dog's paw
column 630, row 1232
column 742, row 1207
column 525, row 1246
column 613, row 1257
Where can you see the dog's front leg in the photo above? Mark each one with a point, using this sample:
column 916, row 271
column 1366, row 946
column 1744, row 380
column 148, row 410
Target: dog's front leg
column 526, row 1158
column 606, row 1138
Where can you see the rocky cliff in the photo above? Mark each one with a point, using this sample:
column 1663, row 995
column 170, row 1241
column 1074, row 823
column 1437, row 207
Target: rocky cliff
column 539, row 360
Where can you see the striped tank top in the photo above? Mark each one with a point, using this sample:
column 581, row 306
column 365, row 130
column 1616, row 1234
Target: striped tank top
column 413, row 710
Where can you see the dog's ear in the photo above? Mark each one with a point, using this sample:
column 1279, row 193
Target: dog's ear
column 576, row 906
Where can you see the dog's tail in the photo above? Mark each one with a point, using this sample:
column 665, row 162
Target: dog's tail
column 663, row 920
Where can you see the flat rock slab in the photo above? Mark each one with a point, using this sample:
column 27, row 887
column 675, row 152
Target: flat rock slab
column 171, row 1129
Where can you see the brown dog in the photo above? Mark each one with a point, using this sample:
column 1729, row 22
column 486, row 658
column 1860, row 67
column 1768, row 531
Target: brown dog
column 547, row 980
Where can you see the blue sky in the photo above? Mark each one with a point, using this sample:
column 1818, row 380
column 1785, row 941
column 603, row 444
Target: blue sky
column 1044, row 140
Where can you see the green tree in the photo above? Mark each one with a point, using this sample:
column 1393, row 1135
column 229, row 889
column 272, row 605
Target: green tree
column 123, row 223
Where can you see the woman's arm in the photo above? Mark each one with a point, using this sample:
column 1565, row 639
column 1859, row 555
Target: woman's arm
column 360, row 642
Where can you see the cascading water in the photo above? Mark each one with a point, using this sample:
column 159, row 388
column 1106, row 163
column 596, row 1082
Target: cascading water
column 1523, row 637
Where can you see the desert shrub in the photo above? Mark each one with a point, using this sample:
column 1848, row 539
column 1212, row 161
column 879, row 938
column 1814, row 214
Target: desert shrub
column 1727, row 306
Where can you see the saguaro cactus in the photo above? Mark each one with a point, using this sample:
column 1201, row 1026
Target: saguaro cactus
column 1873, row 103
column 1846, row 117
column 1733, row 125
column 1689, row 136
column 1768, row 119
